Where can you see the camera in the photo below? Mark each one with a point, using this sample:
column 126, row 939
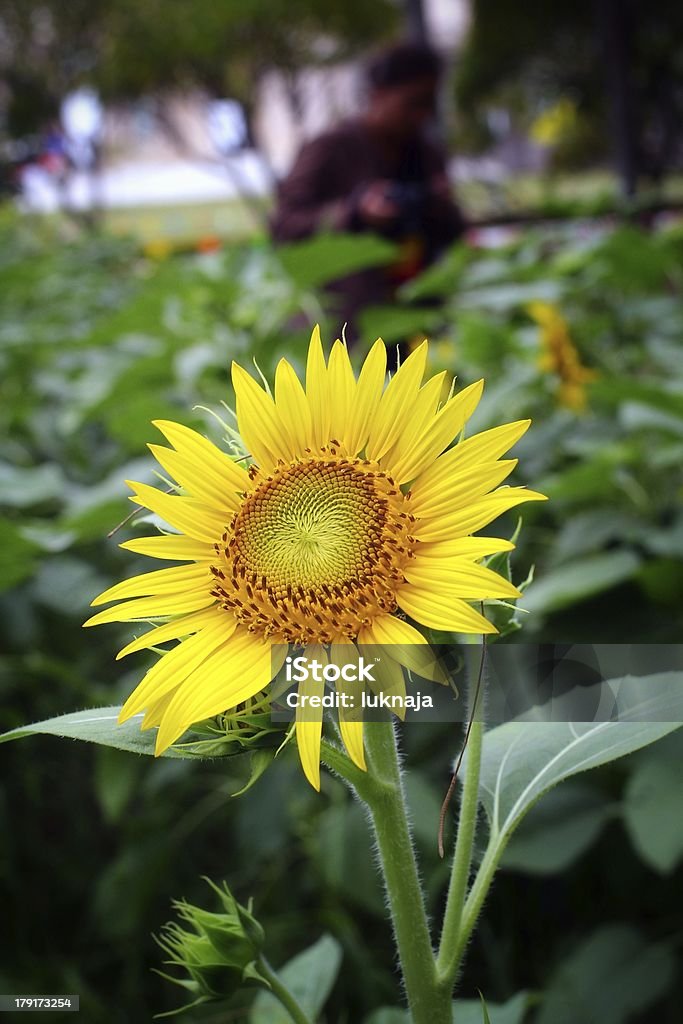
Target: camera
column 411, row 200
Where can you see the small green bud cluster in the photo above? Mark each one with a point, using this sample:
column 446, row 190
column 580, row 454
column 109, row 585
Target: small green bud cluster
column 220, row 951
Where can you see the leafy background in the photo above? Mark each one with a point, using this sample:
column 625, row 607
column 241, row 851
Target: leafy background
column 96, row 340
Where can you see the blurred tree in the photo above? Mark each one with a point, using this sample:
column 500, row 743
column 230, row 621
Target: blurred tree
column 128, row 49
column 620, row 63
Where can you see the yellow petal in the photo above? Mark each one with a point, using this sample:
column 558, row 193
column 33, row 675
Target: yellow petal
column 292, row 407
column 351, row 729
column 440, row 612
column 258, row 421
column 472, row 518
column 404, row 644
column 342, row 390
column 396, row 405
column 389, row 679
column 235, row 672
column 481, row 449
column 423, row 410
column 198, row 479
column 460, row 578
column 185, row 514
column 317, row 390
column 174, row 630
column 155, row 712
column 309, row 720
column 445, row 495
column 350, row 718
column 388, row 629
column 155, row 607
column 203, row 452
column 444, row 428
column 368, row 394
column 174, row 667
column 178, row 580
column 172, row 547
column 469, row 547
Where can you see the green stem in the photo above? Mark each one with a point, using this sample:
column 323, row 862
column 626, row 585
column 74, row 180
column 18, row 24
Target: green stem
column 382, row 790
column 478, row 893
column 281, row 992
column 337, row 761
column 450, row 951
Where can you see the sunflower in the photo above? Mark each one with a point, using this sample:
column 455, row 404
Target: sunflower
column 350, row 516
column 560, row 356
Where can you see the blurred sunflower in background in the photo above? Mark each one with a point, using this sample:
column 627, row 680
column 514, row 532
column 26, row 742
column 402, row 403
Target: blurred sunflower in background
column 349, row 515
column 560, row 356
column 554, row 123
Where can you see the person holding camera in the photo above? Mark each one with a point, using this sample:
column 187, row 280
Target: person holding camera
column 380, row 172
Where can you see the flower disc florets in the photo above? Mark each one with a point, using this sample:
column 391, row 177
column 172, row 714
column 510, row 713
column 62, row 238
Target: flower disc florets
column 316, row 551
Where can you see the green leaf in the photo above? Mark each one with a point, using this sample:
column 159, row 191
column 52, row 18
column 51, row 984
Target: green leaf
column 465, row 1011
column 523, row 760
column 557, row 830
column 609, row 979
column 396, row 323
column 342, row 850
column 476, row 1011
column 580, row 579
column 440, row 279
column 24, row 486
column 65, row 584
column 388, row 1015
column 424, row 807
column 99, row 725
column 17, row 555
column 655, row 393
column 326, row 257
column 309, row 977
column 259, row 762
column 116, row 780
column 652, row 812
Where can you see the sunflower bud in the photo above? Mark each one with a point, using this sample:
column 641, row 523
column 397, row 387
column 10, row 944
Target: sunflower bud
column 218, row 950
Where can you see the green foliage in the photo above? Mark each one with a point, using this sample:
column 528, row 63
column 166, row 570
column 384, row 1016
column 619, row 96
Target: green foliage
column 323, row 258
column 465, row 1011
column 523, row 760
column 558, row 830
column 608, row 978
column 97, row 725
column 309, row 976
column 96, row 341
column 651, row 807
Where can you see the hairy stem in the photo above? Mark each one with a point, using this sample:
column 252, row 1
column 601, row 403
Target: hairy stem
column 450, row 949
column 282, row 993
column 478, row 893
column 382, row 790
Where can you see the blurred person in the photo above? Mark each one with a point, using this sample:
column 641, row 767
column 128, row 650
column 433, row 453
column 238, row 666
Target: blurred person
column 380, row 172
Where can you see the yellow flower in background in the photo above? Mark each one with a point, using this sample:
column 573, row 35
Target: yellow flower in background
column 560, row 356
column 555, row 123
column 158, row 249
column 350, row 514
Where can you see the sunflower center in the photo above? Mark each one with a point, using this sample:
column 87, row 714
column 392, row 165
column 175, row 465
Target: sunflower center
column 316, row 550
